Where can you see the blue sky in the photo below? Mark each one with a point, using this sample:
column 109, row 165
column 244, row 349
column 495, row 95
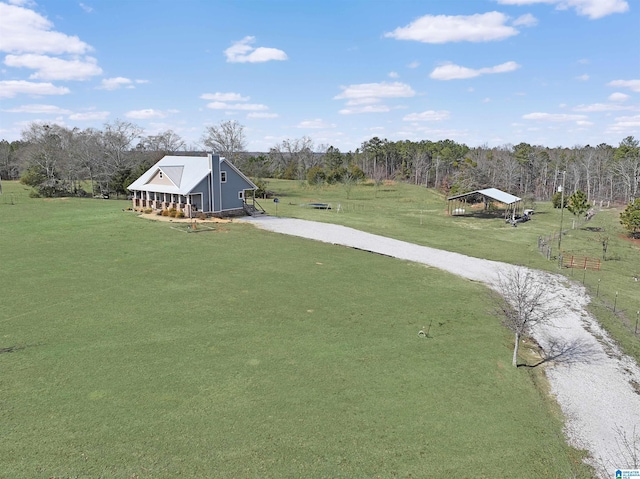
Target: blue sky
column 480, row 72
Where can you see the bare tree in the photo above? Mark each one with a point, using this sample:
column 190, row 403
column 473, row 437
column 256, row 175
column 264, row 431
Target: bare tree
column 226, row 139
column 525, row 302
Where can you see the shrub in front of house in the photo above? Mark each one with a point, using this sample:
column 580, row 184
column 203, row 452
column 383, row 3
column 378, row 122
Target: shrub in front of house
column 180, row 214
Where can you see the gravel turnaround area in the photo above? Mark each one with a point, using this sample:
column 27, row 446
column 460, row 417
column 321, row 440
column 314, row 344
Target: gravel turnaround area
column 592, row 380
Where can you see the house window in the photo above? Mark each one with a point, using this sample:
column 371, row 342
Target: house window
column 223, row 177
column 241, row 195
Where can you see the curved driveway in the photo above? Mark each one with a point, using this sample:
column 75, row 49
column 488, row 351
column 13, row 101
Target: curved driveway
column 593, row 381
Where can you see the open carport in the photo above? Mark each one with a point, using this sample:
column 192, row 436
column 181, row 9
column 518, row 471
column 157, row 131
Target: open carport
column 458, row 204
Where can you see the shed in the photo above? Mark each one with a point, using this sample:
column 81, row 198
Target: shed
column 458, row 204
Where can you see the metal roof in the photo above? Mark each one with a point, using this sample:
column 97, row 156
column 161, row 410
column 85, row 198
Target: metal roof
column 492, row 193
column 185, row 172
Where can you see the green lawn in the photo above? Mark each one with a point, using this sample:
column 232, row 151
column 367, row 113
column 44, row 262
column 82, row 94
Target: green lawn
column 418, row 215
column 134, row 350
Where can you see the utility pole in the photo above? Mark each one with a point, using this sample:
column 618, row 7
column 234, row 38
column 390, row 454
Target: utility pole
column 564, row 174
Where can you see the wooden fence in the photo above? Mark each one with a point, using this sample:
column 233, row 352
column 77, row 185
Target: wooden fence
column 580, row 262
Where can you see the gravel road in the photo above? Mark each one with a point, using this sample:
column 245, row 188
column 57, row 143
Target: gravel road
column 592, row 380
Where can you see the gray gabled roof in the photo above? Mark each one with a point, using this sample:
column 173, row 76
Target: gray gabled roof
column 492, row 193
column 185, row 172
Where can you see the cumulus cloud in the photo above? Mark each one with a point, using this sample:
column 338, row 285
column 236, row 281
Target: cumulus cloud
column 11, row 88
column 315, row 124
column 625, row 124
column 633, row 85
column 526, row 20
column 146, row 114
column 584, row 77
column 366, row 97
column 593, row 9
column 594, row 107
column 50, row 68
column 90, row 116
column 242, row 52
column 451, row 71
column 370, row 91
column 617, row 96
column 39, row 109
column 220, row 105
column 365, row 109
column 218, row 96
column 25, row 30
column 429, row 115
column 115, row 83
column 554, row 117
column 484, row 27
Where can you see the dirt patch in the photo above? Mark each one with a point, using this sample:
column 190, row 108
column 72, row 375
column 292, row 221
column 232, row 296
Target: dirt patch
column 631, row 239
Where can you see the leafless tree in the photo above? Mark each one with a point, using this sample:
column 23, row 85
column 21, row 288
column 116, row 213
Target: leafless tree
column 226, row 139
column 525, row 302
column 167, row 142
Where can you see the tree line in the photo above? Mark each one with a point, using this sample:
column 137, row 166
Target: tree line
column 58, row 160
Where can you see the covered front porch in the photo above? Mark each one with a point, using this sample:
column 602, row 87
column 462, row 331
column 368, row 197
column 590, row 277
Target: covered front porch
column 189, row 204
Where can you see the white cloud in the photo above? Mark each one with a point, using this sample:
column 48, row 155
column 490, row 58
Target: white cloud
column 49, row 68
column 393, row 75
column 526, row 20
column 483, row 27
column 603, row 107
column 633, row 85
column 375, row 90
column 625, row 122
column 90, row 116
column 218, row 96
column 243, row 52
column 145, row 114
column 617, row 96
column 24, row 30
column 219, row 105
column 259, row 115
column 315, row 124
column 86, row 7
column 365, row 97
column 593, row 9
column 554, row 117
column 429, row 115
column 414, row 64
column 584, row 77
column 451, row 71
column 116, row 83
column 39, row 109
column 11, row 88
column 365, row 109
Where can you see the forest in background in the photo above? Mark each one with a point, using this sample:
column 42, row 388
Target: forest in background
column 57, row 161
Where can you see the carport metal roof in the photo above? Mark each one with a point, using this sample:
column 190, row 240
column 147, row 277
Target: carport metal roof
column 493, row 193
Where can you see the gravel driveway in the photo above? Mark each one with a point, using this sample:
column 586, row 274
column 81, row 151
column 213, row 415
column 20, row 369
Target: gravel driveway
column 592, row 381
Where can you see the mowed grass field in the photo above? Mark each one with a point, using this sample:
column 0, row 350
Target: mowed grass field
column 418, row 215
column 130, row 349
